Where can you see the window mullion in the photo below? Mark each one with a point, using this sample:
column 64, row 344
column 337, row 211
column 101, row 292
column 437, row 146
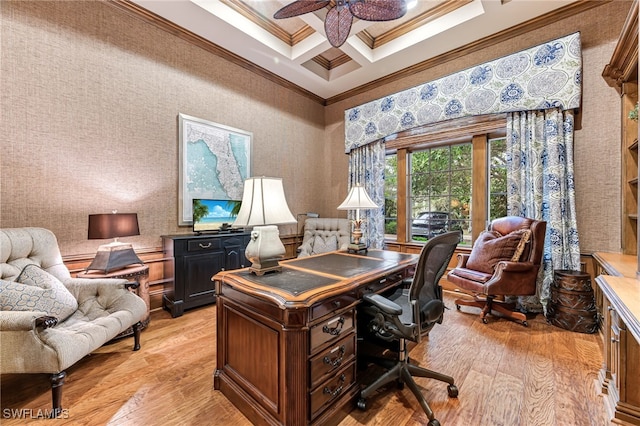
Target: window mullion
column 403, row 190
column 479, row 188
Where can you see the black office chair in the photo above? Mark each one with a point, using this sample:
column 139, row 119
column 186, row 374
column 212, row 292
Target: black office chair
column 410, row 313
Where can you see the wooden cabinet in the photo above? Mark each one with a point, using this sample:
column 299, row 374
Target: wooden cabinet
column 619, row 377
column 618, row 293
column 192, row 261
column 622, row 74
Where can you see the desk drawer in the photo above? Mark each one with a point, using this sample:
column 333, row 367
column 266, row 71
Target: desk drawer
column 331, row 329
column 204, row 244
column 381, row 284
column 323, row 365
column 332, row 389
column 331, row 305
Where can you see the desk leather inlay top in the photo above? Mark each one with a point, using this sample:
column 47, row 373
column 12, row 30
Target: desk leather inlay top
column 292, row 281
column 337, row 264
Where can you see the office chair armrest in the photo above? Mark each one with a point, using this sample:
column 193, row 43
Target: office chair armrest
column 382, row 303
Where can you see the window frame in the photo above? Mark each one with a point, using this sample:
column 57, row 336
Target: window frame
column 478, row 130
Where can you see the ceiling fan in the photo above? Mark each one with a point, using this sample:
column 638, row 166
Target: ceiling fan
column 337, row 24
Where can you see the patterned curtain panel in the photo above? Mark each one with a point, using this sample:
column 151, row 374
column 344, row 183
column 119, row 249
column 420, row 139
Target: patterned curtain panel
column 366, row 166
column 545, row 76
column 540, row 185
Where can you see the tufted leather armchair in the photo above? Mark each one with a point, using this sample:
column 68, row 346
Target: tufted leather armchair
column 34, row 341
column 322, row 235
column 491, row 270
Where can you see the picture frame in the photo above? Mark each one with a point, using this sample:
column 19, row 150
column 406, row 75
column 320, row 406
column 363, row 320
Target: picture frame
column 214, row 161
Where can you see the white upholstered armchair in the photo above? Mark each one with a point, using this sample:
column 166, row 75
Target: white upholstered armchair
column 325, row 234
column 49, row 320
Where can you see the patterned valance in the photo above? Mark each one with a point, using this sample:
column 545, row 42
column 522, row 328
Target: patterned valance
column 544, row 76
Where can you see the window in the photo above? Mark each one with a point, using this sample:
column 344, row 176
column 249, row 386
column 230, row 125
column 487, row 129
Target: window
column 445, row 176
column 440, row 190
column 497, row 178
column 391, row 196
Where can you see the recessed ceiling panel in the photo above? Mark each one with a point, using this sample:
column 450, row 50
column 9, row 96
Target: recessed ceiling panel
column 297, row 50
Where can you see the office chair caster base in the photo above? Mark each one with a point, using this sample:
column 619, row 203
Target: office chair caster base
column 452, row 390
column 362, row 404
column 433, row 422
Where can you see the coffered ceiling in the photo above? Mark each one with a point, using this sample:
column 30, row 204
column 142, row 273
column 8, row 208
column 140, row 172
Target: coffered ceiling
column 295, row 50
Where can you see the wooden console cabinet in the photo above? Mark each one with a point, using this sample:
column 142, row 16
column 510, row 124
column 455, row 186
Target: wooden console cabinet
column 619, row 377
column 197, row 258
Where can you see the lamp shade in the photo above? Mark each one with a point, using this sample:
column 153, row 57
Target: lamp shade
column 113, row 225
column 263, row 203
column 357, row 198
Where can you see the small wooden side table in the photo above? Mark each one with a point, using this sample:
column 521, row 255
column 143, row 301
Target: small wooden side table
column 138, row 273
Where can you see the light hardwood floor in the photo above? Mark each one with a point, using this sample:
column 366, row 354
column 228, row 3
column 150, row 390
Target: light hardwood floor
column 507, row 375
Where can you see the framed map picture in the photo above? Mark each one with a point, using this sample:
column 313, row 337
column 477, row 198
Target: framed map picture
column 214, row 162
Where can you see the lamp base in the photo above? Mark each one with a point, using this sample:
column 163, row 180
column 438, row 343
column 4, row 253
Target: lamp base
column 263, row 270
column 357, row 248
column 265, row 249
column 114, row 256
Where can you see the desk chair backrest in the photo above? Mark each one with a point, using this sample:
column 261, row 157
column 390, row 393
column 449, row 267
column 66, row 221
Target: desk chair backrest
column 324, row 234
column 425, row 293
column 533, row 251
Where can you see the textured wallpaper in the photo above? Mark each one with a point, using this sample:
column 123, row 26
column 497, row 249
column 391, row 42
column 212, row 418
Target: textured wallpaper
column 90, row 104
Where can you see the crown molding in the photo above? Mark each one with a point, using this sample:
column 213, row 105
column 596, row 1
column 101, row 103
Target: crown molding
column 517, row 30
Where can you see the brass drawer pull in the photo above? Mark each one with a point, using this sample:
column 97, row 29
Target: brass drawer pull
column 338, row 360
column 336, row 330
column 337, row 390
column 204, row 246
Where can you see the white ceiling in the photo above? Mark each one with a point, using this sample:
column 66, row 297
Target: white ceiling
column 373, row 49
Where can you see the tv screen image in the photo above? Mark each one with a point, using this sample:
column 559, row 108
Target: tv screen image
column 210, row 215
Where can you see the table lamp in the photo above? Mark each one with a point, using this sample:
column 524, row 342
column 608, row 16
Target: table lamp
column 357, row 199
column 264, row 206
column 115, row 255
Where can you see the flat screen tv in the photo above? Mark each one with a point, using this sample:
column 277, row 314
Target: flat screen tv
column 213, row 215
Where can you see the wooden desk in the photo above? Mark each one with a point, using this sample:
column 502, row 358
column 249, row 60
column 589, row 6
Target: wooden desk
column 286, row 342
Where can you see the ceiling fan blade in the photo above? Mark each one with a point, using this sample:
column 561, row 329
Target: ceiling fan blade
column 337, row 25
column 378, row 10
column 300, row 7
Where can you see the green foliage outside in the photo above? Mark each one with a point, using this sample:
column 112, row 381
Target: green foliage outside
column 441, row 180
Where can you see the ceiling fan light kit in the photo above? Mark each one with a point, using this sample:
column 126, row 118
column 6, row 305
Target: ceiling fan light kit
column 337, row 24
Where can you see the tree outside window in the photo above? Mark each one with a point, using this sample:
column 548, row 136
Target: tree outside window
column 497, row 178
column 440, row 195
column 439, row 192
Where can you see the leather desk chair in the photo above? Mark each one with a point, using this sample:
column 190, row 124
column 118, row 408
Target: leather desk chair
column 505, row 260
column 409, row 314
